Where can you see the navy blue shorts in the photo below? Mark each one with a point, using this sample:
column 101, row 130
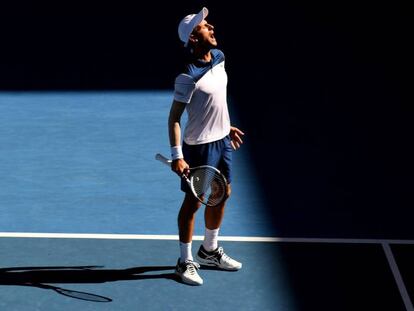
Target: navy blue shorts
column 217, row 153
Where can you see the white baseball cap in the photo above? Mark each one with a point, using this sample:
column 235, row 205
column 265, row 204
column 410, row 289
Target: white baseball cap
column 188, row 23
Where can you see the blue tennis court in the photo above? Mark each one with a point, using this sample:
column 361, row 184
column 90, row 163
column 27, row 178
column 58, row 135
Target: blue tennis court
column 85, row 207
column 84, row 163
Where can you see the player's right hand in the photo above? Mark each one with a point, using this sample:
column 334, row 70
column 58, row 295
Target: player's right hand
column 180, row 167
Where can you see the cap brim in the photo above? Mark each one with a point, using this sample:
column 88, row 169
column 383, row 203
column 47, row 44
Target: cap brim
column 198, row 19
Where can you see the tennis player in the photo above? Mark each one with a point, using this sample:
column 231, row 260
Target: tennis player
column 209, row 139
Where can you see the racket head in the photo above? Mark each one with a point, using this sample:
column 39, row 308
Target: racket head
column 208, row 184
column 73, row 293
column 82, row 295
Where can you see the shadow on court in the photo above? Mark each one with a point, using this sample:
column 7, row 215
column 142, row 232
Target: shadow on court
column 40, row 276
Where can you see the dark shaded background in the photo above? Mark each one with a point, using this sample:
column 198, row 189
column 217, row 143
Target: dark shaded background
column 321, row 89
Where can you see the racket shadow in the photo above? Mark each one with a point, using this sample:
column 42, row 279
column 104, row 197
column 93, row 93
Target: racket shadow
column 43, row 277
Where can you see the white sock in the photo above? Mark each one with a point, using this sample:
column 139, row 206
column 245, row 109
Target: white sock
column 185, row 251
column 211, row 239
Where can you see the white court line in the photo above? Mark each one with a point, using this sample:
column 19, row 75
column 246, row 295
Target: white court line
column 385, row 244
column 398, row 278
column 197, row 238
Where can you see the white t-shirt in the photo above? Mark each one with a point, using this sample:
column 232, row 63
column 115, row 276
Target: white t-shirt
column 203, row 87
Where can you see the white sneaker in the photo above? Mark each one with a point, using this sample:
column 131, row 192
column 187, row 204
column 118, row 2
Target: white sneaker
column 187, row 271
column 218, row 259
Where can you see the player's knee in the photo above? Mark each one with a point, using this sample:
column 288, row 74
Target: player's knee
column 190, row 204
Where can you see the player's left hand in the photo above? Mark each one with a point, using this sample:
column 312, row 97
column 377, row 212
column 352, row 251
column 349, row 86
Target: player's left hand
column 235, row 135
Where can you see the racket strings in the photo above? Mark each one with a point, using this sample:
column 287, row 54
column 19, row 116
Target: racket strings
column 209, row 186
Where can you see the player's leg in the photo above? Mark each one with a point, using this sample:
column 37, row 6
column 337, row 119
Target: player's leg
column 210, row 253
column 186, row 218
column 213, row 215
column 186, row 268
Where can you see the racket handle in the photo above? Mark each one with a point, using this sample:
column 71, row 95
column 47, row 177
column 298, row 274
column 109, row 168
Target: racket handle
column 168, row 162
column 163, row 159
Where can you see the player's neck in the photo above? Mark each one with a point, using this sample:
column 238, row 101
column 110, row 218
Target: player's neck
column 204, row 55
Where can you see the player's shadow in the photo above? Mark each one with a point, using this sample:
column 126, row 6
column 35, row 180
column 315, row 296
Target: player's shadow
column 40, row 276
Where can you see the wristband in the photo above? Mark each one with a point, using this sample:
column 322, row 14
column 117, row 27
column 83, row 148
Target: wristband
column 177, row 152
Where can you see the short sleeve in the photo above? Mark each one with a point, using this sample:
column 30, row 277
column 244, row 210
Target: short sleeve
column 184, row 88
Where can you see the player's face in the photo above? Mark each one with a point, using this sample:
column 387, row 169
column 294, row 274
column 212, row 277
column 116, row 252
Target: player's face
column 204, row 33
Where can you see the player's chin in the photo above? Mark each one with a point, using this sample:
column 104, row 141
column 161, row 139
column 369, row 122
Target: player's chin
column 213, row 42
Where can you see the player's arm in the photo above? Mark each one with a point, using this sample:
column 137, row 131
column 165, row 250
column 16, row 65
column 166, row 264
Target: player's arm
column 236, row 135
column 178, row 164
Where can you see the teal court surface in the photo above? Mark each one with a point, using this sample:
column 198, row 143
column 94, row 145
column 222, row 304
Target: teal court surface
column 88, row 222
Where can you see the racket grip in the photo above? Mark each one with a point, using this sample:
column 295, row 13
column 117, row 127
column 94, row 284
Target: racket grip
column 163, row 159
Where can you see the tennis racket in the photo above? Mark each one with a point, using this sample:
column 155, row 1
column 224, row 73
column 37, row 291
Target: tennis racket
column 206, row 182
